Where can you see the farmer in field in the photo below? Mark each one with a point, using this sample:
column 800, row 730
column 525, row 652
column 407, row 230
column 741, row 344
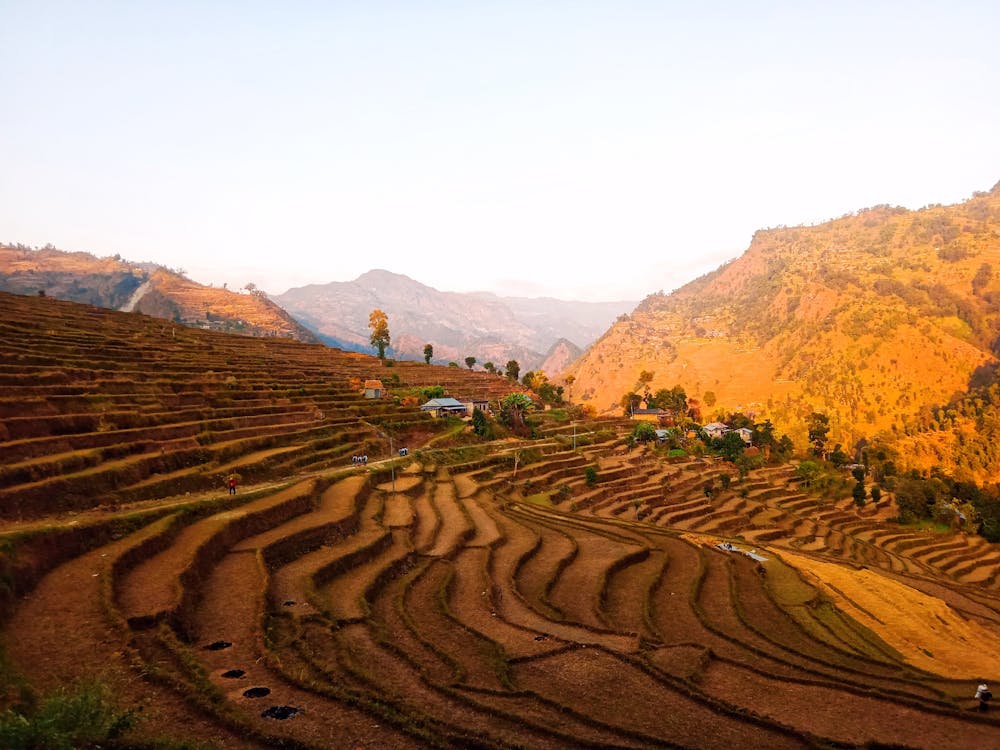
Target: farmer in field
column 231, row 483
column 983, row 695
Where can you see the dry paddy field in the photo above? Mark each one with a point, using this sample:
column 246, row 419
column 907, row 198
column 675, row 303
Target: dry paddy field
column 464, row 605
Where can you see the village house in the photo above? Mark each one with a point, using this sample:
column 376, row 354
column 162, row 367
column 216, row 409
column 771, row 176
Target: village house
column 375, row 389
column 747, row 434
column 477, row 403
column 656, row 416
column 446, row 406
column 715, row 429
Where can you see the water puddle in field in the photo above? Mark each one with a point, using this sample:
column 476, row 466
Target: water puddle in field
column 234, row 673
column 280, row 712
column 218, row 645
column 256, row 692
column 289, row 603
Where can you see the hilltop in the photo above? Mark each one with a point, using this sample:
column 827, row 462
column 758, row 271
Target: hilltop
column 479, row 324
column 869, row 318
column 118, row 284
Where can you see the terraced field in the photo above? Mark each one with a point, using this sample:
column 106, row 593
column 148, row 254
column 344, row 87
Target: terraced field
column 468, row 597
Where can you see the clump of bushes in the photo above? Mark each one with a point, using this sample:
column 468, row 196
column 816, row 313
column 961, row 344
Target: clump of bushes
column 83, row 715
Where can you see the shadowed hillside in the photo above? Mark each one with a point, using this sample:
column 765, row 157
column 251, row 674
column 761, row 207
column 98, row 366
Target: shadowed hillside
column 561, row 591
column 868, row 318
column 145, row 287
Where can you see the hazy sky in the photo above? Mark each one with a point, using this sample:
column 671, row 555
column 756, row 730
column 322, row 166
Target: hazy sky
column 589, row 150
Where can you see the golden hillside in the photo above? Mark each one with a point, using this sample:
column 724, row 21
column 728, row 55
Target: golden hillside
column 122, row 285
column 867, row 318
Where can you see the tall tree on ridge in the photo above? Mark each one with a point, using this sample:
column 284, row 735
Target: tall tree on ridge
column 378, row 321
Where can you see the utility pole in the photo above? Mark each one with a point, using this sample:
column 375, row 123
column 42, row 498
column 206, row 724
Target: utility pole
column 392, row 469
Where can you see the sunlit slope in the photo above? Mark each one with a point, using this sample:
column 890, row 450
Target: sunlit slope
column 867, row 318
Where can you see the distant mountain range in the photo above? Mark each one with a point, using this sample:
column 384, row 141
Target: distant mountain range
column 886, row 320
column 142, row 287
column 541, row 334
column 458, row 325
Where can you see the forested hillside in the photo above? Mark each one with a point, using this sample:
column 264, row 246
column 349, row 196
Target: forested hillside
column 872, row 319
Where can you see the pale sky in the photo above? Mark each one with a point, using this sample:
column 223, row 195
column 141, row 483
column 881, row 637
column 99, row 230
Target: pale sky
column 582, row 150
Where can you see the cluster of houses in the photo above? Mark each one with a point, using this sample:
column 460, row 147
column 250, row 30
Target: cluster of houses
column 712, row 429
column 718, row 429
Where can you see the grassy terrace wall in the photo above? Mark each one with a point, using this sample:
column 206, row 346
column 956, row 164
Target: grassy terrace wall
column 471, row 595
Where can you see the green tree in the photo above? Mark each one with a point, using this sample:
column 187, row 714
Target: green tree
column 807, row 471
column 858, row 493
column 819, row 427
column 514, row 408
column 837, row 456
column 590, row 475
column 876, row 494
column 550, row 393
column 644, row 432
column 489, row 367
column 378, row 321
column 470, row 361
column 763, row 435
column 916, row 497
column 513, row 369
column 785, row 446
column 630, row 402
column 673, row 399
column 428, row 352
column 730, row 446
column 481, row 424
column 982, row 278
column 709, row 398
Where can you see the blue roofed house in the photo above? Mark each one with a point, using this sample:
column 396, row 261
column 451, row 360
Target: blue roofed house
column 441, row 407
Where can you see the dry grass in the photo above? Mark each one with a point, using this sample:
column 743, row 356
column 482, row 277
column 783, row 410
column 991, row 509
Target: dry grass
column 930, row 634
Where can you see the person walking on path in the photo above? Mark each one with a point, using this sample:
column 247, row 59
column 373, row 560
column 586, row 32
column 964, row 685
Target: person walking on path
column 983, row 695
column 231, row 482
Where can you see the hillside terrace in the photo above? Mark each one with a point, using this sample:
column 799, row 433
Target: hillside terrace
column 473, row 595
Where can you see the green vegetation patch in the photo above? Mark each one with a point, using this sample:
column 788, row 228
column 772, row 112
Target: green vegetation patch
column 541, row 498
column 786, row 585
column 86, row 714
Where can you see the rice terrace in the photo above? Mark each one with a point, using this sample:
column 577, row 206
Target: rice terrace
column 564, row 590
